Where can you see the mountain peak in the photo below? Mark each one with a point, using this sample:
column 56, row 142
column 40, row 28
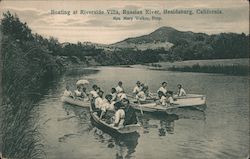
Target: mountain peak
column 166, row 28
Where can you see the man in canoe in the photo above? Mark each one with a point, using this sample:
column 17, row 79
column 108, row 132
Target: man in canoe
column 163, row 88
column 181, row 91
column 119, row 88
column 130, row 115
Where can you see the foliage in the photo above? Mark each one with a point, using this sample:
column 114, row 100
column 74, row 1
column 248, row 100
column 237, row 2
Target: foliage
column 27, row 65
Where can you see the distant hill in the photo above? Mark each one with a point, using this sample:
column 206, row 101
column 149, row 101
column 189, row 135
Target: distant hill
column 164, row 37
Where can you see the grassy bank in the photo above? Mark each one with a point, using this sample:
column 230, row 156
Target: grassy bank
column 229, row 70
column 28, row 65
column 222, row 66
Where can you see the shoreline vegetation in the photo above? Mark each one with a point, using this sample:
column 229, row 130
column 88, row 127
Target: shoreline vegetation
column 227, row 70
column 236, row 67
column 30, row 61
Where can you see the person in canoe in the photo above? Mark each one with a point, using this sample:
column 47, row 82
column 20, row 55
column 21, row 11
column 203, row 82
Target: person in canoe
column 68, row 93
column 181, row 91
column 148, row 94
column 77, row 92
column 109, row 103
column 99, row 104
column 85, row 95
column 119, row 115
column 119, row 88
column 162, row 98
column 122, row 95
column 141, row 96
column 137, row 88
column 130, row 115
column 93, row 93
column 113, row 94
column 109, row 110
column 170, row 99
column 163, row 88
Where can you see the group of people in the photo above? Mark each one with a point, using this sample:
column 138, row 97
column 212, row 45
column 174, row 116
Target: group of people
column 164, row 96
column 115, row 107
column 79, row 93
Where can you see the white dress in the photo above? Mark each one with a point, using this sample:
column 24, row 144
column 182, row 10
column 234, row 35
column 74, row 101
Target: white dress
column 141, row 96
column 94, row 94
column 67, row 93
column 119, row 117
column 182, row 92
column 163, row 90
column 163, row 100
column 136, row 89
column 119, row 89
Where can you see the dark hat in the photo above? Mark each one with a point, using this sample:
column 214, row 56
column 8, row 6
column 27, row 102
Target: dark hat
column 138, row 82
column 118, row 105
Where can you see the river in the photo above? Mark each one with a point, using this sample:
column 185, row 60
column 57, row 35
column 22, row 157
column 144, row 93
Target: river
column 221, row 131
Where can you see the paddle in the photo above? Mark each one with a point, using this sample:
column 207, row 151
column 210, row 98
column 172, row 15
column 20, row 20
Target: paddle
column 139, row 103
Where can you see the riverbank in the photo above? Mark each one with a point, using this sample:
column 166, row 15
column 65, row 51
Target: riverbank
column 221, row 66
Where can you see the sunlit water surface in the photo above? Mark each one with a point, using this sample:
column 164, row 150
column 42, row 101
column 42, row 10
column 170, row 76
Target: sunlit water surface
column 221, row 131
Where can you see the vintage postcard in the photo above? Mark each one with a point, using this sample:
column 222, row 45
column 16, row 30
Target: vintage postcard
column 123, row 79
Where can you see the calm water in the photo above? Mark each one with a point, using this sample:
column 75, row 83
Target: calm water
column 221, row 131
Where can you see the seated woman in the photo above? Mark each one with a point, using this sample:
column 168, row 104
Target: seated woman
column 119, row 115
column 109, row 107
column 148, row 94
column 130, row 115
column 121, row 95
column 108, row 103
column 141, row 96
column 99, row 104
column 170, row 99
column 93, row 93
column 78, row 92
column 163, row 88
column 113, row 94
column 67, row 92
column 181, row 91
column 162, row 97
column 85, row 95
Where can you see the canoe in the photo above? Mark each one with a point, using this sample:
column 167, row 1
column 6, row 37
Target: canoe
column 77, row 102
column 110, row 128
column 190, row 100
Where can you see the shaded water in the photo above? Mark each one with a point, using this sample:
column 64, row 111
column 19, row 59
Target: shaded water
column 221, row 131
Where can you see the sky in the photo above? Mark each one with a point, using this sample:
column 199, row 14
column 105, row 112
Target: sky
column 103, row 29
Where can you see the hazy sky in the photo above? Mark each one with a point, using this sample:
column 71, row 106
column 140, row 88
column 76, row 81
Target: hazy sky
column 102, row 29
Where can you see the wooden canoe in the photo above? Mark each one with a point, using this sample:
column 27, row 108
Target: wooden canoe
column 77, row 102
column 191, row 100
column 110, row 128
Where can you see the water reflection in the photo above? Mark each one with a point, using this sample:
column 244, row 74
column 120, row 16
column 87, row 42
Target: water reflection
column 123, row 144
column 165, row 122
